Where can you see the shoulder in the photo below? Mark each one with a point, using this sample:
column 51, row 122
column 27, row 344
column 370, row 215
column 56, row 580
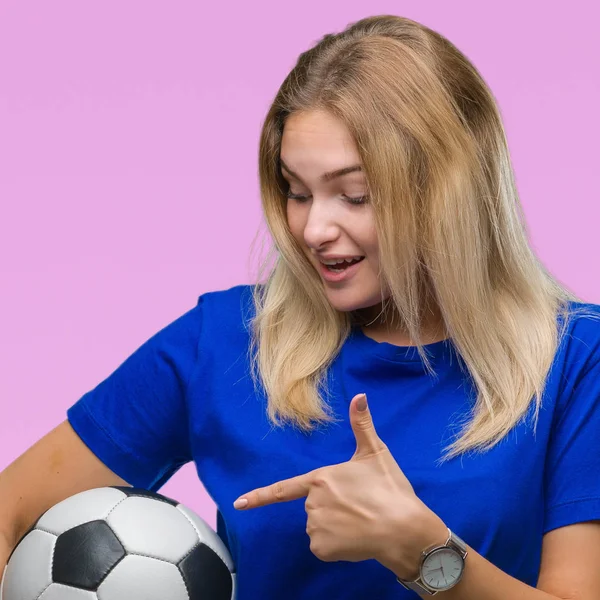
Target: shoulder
column 228, row 297
column 580, row 344
column 227, row 310
column 228, row 302
column 577, row 359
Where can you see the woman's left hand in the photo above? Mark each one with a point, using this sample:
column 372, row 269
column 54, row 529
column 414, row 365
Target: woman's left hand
column 361, row 509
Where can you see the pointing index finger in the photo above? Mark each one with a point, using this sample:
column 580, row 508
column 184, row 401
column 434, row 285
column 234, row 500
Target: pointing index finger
column 280, row 491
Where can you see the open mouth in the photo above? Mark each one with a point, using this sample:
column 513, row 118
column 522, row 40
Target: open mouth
column 341, row 267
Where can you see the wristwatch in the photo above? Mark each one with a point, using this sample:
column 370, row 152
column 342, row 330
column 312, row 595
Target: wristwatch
column 441, row 567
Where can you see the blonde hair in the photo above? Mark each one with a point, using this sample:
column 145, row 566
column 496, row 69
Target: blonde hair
column 448, row 222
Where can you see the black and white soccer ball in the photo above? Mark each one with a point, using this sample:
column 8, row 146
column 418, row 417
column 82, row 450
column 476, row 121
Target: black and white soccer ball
column 119, row 543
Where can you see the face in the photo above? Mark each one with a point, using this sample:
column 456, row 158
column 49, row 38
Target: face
column 330, row 217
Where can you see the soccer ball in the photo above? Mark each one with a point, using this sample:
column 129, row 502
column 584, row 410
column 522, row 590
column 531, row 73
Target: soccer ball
column 119, row 543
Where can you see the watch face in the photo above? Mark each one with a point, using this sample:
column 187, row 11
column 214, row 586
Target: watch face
column 442, row 568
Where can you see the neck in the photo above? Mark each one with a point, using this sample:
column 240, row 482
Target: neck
column 384, row 323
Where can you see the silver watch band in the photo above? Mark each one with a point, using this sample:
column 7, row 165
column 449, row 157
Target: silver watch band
column 418, row 585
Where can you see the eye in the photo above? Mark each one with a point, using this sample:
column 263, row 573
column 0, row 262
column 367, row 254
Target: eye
column 354, row 201
column 359, row 200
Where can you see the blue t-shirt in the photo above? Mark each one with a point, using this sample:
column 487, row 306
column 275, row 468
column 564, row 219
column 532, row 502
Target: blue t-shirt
column 187, row 395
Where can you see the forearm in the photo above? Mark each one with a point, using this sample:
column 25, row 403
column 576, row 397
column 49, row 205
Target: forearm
column 482, row 580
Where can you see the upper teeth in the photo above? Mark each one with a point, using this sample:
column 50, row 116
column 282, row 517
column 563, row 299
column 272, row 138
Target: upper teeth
column 340, row 260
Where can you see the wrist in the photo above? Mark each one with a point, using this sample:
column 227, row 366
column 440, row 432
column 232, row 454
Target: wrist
column 408, row 541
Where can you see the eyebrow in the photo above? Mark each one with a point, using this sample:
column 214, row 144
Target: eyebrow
column 326, row 177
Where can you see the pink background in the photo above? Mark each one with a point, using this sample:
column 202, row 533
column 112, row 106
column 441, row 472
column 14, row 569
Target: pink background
column 128, row 166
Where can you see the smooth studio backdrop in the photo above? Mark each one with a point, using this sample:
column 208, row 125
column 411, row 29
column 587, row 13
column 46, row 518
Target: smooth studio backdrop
column 128, row 166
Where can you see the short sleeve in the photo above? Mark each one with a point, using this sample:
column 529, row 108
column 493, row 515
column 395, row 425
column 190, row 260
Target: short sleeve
column 573, row 461
column 136, row 420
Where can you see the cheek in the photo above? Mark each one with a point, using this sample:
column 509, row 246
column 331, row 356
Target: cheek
column 368, row 235
column 295, row 221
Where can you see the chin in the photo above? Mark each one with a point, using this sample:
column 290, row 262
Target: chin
column 347, row 301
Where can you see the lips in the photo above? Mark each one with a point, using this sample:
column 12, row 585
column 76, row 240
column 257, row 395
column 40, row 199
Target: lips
column 342, row 273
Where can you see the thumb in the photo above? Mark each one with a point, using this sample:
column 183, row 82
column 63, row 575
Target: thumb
column 367, row 440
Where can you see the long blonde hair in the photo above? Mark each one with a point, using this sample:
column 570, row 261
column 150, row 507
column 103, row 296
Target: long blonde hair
column 448, row 221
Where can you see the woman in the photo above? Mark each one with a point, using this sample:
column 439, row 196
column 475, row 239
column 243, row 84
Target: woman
column 473, row 470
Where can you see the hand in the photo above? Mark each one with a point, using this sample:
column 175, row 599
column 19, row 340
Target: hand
column 361, row 509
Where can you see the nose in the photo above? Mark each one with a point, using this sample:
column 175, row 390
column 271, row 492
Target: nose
column 321, row 226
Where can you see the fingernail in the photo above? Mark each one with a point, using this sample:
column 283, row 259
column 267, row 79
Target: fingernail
column 240, row 503
column 361, row 403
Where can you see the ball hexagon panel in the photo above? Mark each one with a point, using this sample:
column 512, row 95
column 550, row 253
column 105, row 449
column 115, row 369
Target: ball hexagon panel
column 151, row 528
column 143, row 578
column 90, row 505
column 85, row 555
column 30, row 567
